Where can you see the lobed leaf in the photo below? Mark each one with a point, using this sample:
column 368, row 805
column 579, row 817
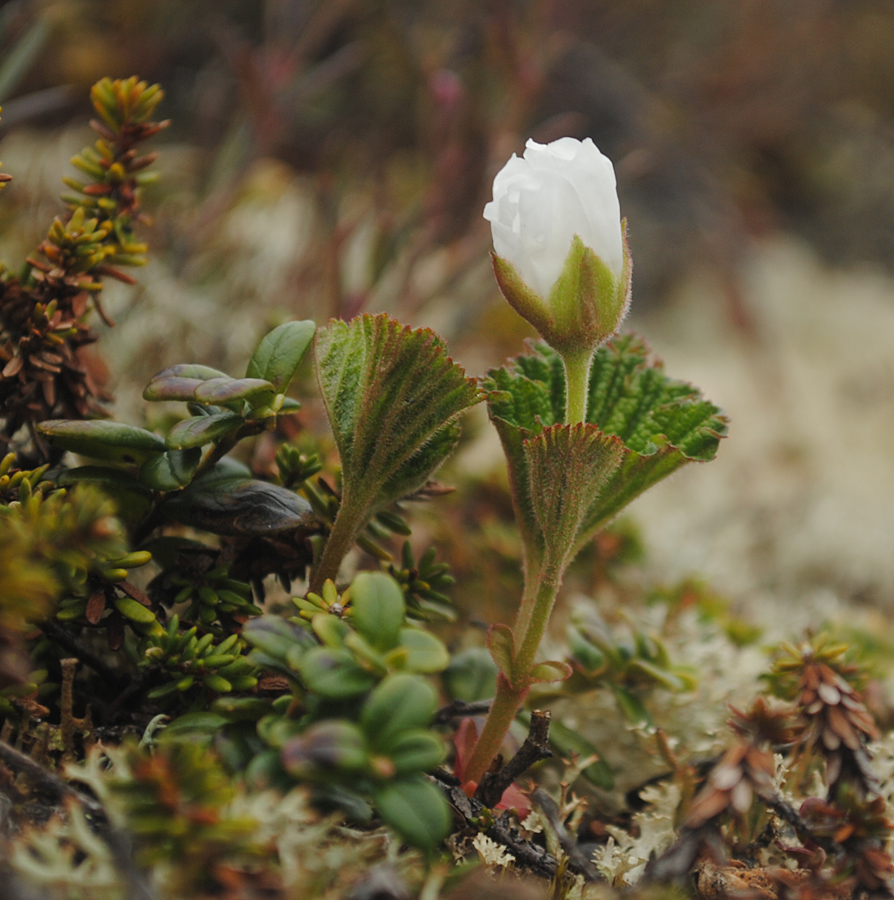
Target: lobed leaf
column 655, row 423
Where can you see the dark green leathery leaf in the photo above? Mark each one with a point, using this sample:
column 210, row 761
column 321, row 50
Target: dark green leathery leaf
column 415, row 809
column 398, row 703
column 172, row 470
column 179, row 382
column 378, row 605
column 225, row 390
column 197, row 431
column 245, row 508
column 100, row 439
column 280, row 352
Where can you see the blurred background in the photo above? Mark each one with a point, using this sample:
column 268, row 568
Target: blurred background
column 329, row 157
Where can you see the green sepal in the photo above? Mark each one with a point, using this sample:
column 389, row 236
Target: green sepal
column 280, row 352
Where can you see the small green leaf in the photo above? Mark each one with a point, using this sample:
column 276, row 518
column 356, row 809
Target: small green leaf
column 415, row 809
column 586, row 654
column 334, row 744
column 471, row 675
column 97, row 439
column 400, row 702
column 631, row 706
column 275, row 636
column 568, row 742
column 663, row 677
column 172, row 470
column 331, row 630
column 378, row 604
column 199, row 430
column 134, row 611
column 194, row 723
column 335, row 674
column 501, row 644
column 549, row 672
column 280, row 352
column 425, row 653
column 179, row 382
column 415, row 751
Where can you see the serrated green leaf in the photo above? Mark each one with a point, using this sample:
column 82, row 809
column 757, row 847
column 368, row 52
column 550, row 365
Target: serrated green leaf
column 280, row 352
column 98, row 439
column 415, row 809
column 662, row 424
column 172, row 470
column 179, row 382
column 199, row 430
column 390, row 394
column 567, row 466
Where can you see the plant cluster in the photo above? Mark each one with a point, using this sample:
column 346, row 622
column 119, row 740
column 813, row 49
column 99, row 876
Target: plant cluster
column 135, row 589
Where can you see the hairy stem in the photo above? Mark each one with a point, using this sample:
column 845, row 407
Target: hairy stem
column 577, row 381
column 348, row 522
column 529, row 629
column 507, row 702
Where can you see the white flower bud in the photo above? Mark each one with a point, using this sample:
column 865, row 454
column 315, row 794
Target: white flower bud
column 560, row 254
column 542, row 201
